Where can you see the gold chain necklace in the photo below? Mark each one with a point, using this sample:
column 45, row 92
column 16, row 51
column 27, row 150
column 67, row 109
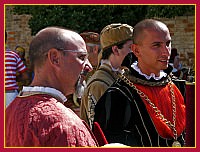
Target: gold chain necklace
column 157, row 111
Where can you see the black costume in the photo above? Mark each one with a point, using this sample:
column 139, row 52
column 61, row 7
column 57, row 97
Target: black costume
column 124, row 116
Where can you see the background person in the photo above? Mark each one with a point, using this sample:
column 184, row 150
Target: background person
column 20, row 82
column 13, row 64
column 37, row 117
column 116, row 41
column 145, row 108
column 21, row 52
column 174, row 61
column 92, row 40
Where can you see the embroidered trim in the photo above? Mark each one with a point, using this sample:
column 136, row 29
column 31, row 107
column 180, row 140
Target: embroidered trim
column 145, row 82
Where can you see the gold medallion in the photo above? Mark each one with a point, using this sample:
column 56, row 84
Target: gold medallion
column 176, row 144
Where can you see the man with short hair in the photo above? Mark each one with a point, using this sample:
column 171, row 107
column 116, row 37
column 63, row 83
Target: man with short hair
column 37, row 117
column 116, row 41
column 145, row 108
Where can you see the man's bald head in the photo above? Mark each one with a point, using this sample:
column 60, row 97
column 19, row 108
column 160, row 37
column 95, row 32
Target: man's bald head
column 147, row 24
column 51, row 37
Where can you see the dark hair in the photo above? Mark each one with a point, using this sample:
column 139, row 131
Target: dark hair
column 129, row 59
column 107, row 52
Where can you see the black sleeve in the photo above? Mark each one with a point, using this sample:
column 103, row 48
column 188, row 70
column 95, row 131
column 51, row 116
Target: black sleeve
column 113, row 113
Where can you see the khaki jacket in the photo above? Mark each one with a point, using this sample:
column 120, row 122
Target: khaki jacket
column 96, row 86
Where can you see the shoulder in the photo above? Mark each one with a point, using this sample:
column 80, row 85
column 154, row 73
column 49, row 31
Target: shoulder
column 100, row 79
column 12, row 53
column 99, row 83
column 11, row 56
column 118, row 90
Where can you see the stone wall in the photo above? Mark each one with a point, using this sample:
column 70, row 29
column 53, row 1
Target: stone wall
column 182, row 30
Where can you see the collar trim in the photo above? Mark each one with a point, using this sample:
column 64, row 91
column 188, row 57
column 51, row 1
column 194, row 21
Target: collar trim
column 148, row 77
column 113, row 69
column 48, row 90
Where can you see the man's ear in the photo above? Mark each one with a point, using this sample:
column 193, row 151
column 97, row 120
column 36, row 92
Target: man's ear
column 135, row 49
column 115, row 50
column 54, row 57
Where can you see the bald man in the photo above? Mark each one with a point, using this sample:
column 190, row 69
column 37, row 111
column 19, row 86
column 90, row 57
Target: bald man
column 37, row 117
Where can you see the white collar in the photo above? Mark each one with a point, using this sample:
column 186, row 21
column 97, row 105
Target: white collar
column 49, row 90
column 152, row 75
column 106, row 61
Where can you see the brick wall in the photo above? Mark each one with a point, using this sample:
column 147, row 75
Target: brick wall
column 182, row 30
column 18, row 31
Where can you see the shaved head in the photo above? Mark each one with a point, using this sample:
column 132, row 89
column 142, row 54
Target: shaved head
column 51, row 37
column 147, row 24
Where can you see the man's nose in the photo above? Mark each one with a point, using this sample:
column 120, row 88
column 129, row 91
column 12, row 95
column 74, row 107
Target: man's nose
column 87, row 66
column 166, row 50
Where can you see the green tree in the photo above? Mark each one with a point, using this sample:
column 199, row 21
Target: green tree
column 169, row 11
column 94, row 17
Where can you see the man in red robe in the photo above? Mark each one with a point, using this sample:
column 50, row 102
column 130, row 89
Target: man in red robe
column 37, row 117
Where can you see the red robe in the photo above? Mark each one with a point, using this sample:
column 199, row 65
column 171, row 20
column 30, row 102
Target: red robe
column 41, row 120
